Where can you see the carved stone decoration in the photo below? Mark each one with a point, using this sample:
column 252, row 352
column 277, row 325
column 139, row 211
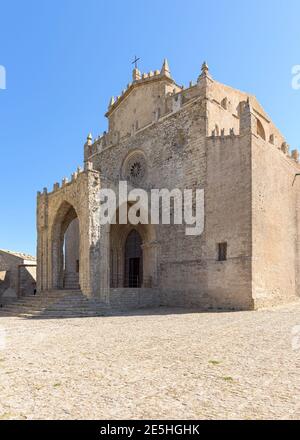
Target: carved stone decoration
column 285, row 147
column 295, row 155
column 135, row 168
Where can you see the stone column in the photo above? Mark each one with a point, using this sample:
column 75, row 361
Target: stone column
column 42, row 229
column 150, row 261
column 97, row 254
column 104, row 263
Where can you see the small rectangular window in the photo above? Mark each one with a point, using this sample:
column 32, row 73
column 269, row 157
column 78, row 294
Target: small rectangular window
column 77, row 266
column 222, row 251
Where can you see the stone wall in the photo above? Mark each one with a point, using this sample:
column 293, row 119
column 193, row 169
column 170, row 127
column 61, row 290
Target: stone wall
column 275, row 192
column 17, row 276
column 72, row 247
column 56, row 210
column 228, row 220
column 27, row 280
column 134, row 298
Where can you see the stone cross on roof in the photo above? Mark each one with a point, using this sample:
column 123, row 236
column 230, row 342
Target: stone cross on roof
column 135, row 61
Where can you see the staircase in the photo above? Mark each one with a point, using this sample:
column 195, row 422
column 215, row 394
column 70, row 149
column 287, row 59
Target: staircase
column 71, row 281
column 55, row 304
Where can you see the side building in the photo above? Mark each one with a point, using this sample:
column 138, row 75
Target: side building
column 17, row 275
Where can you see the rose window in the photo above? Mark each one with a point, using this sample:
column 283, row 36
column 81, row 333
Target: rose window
column 134, row 168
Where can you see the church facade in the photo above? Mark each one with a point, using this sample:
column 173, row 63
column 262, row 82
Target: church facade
column 161, row 135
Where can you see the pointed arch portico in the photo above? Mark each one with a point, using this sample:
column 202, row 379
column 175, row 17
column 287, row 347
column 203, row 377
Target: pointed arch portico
column 56, row 210
column 65, row 214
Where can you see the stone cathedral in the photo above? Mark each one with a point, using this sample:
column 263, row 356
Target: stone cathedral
column 163, row 135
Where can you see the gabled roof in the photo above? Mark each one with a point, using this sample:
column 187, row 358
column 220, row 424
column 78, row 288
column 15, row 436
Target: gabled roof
column 140, row 80
column 21, row 255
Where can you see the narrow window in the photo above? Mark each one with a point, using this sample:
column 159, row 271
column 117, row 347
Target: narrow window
column 222, row 251
column 224, row 103
column 260, row 130
column 77, row 266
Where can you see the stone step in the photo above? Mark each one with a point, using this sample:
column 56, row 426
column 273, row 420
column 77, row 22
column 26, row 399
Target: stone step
column 38, row 303
column 45, row 300
column 55, row 308
column 55, row 304
column 71, row 285
column 71, row 280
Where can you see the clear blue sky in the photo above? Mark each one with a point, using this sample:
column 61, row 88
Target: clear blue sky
column 65, row 58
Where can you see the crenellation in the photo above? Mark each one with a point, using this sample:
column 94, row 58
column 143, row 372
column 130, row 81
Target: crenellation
column 285, row 148
column 295, row 155
column 89, row 139
column 88, row 166
column 65, row 182
column 111, row 102
column 222, row 134
column 176, row 102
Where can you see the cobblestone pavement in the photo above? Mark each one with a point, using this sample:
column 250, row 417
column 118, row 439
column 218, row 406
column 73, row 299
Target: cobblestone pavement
column 163, row 363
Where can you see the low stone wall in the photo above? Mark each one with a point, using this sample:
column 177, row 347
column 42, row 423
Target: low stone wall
column 193, row 299
column 131, row 298
column 27, row 280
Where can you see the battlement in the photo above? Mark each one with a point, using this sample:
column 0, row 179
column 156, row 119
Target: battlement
column 139, row 79
column 142, row 102
column 57, row 186
column 283, row 148
column 171, row 99
column 154, row 96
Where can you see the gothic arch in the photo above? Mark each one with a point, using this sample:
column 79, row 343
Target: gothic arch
column 260, row 130
column 118, row 234
column 65, row 214
column 133, row 260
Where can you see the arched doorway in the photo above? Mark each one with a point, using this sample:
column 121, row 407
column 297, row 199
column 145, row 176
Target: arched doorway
column 65, row 248
column 133, row 271
column 133, row 255
column 71, row 256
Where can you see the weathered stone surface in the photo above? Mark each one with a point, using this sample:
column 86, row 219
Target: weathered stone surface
column 208, row 136
column 17, row 275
